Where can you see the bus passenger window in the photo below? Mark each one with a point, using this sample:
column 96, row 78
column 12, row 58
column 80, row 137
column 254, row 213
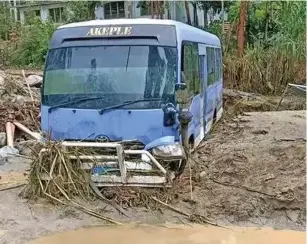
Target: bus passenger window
column 196, row 71
column 218, row 67
column 187, row 68
column 221, row 63
column 216, row 64
column 191, row 68
column 201, row 71
column 211, row 66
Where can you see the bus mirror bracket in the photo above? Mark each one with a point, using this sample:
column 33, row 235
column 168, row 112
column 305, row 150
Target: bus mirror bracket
column 180, row 86
column 185, row 117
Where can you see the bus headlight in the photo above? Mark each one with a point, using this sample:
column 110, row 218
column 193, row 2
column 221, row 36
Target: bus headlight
column 169, row 152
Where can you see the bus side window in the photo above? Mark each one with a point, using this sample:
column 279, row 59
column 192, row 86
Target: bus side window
column 186, row 65
column 190, row 68
column 196, row 71
column 218, row 65
column 202, row 72
column 210, row 66
column 221, row 64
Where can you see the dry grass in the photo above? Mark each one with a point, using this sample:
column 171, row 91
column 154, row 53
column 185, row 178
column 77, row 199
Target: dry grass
column 55, row 174
column 262, row 73
column 61, row 180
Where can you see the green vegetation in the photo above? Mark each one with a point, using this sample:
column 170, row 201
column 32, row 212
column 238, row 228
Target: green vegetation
column 26, row 44
column 275, row 50
column 274, row 54
column 33, row 44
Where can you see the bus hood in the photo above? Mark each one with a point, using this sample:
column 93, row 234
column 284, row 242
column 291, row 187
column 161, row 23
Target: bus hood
column 117, row 125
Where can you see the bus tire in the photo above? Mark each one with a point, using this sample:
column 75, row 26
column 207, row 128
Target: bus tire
column 181, row 167
column 184, row 161
column 214, row 116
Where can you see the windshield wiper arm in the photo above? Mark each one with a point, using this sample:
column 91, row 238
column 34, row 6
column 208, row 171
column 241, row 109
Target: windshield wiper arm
column 74, row 101
column 101, row 111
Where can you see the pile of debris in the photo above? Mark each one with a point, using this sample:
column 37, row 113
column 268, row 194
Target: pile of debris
column 19, row 108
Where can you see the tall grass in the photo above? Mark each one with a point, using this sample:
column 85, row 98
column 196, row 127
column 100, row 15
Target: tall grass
column 262, row 71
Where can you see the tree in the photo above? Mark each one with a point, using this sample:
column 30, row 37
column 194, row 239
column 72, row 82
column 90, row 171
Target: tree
column 156, row 8
column 80, row 10
column 241, row 29
column 195, row 15
column 7, row 23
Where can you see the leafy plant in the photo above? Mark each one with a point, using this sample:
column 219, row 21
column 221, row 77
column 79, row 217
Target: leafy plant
column 33, row 44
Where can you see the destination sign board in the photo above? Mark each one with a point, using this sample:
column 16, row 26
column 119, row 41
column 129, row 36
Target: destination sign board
column 110, row 31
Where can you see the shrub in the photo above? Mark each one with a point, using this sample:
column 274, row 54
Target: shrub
column 33, row 44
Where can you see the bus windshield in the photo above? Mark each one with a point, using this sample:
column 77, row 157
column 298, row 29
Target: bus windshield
column 116, row 73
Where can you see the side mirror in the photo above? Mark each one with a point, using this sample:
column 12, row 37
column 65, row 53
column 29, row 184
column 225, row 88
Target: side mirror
column 169, row 118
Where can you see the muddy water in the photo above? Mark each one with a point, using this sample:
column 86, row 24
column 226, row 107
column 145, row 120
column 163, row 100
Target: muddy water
column 173, row 235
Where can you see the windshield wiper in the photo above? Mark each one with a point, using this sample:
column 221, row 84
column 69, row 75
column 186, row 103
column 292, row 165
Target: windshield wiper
column 101, row 111
column 73, row 101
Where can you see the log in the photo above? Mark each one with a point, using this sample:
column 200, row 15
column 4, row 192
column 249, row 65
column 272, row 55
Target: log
column 10, row 131
column 34, row 135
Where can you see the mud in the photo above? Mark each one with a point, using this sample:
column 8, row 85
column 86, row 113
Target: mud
column 255, row 171
column 250, row 172
column 174, row 235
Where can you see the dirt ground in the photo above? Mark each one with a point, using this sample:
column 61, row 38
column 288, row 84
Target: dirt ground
column 255, row 171
column 250, row 172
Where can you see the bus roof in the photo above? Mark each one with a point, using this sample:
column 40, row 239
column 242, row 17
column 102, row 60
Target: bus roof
column 184, row 32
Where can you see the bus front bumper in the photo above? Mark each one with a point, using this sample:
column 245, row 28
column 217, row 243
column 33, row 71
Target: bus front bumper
column 119, row 169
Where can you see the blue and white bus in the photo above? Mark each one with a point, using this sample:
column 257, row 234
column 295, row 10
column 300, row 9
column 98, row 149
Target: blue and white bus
column 110, row 81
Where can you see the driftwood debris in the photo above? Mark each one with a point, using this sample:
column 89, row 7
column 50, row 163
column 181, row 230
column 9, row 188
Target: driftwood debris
column 191, row 217
column 12, row 187
column 34, row 135
column 27, row 72
column 10, row 131
column 18, row 102
column 111, row 203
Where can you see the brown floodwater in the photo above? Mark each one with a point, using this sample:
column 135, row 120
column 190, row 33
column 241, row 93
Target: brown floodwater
column 173, row 234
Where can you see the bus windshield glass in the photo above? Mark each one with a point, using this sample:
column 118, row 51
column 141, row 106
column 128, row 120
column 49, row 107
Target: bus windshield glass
column 117, row 74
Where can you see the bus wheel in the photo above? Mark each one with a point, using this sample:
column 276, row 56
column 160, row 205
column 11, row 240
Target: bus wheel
column 184, row 161
column 214, row 117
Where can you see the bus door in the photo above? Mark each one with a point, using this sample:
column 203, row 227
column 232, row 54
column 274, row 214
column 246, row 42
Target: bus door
column 203, row 76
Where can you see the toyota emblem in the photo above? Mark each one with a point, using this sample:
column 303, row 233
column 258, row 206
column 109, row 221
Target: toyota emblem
column 102, row 138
